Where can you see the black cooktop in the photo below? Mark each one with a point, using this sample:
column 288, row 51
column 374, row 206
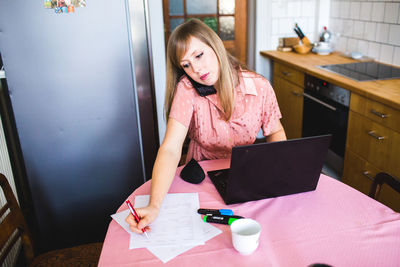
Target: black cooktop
column 365, row 71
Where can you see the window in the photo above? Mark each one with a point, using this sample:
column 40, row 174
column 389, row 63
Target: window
column 226, row 17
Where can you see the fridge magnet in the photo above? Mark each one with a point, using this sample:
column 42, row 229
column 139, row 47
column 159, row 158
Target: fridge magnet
column 47, row 4
column 61, row 3
column 79, row 3
column 64, row 6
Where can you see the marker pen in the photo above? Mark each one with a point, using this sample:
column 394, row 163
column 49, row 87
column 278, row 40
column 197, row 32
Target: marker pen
column 222, row 219
column 211, row 212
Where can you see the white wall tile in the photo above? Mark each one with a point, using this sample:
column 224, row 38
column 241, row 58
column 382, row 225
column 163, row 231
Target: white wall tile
column 308, row 8
column 341, row 44
column 285, row 25
column 275, row 26
column 311, row 26
column 298, row 8
column 394, row 34
column 358, row 30
column 274, row 42
column 347, row 27
column 294, row 9
column 363, row 47
column 398, row 21
column 336, row 25
column 339, row 26
column 355, row 10
column 278, row 9
column 352, row 45
column 370, row 31
column 396, row 56
column 335, row 9
column 382, row 32
column 370, row 26
column 373, row 50
column 391, row 12
column 366, row 10
column 386, row 54
column 344, row 9
column 378, row 11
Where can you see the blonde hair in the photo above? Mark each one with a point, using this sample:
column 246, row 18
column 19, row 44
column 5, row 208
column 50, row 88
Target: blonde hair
column 177, row 46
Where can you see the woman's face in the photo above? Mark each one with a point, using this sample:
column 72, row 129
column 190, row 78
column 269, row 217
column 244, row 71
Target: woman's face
column 200, row 62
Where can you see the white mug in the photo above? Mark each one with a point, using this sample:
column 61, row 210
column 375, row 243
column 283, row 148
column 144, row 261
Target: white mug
column 245, row 235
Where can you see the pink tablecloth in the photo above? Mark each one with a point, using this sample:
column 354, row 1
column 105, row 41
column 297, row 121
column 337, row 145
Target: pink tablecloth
column 335, row 225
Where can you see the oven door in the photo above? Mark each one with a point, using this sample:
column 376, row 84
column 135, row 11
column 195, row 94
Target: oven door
column 325, row 116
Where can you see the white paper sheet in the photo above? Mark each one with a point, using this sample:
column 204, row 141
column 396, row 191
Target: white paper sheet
column 177, row 222
column 168, row 253
column 171, row 209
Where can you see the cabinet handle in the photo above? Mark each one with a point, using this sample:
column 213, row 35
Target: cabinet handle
column 367, row 174
column 377, row 113
column 297, row 93
column 286, row 73
column 374, row 135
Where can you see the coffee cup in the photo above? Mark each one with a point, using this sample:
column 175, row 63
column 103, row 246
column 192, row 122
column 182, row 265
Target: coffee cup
column 245, row 235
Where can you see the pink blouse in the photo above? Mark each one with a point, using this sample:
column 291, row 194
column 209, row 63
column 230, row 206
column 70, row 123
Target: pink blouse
column 211, row 137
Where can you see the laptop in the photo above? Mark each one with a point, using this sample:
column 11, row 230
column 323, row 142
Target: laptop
column 268, row 170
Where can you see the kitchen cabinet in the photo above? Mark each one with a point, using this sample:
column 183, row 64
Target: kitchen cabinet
column 373, row 145
column 373, row 134
column 289, row 88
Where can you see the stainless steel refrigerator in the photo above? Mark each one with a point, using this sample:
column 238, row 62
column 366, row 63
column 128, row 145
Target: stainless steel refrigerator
column 80, row 113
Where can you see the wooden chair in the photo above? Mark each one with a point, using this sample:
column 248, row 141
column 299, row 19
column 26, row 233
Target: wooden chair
column 13, row 226
column 380, row 179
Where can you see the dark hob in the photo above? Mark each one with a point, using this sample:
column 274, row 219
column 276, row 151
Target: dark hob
column 365, row 71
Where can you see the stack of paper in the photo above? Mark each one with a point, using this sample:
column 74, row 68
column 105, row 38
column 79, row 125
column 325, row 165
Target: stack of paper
column 178, row 214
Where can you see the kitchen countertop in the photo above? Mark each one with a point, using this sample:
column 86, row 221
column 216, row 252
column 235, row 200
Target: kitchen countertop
column 384, row 91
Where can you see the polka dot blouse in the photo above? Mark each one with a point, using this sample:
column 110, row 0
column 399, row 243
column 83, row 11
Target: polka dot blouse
column 211, row 137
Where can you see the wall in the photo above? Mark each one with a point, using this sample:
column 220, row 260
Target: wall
column 276, row 19
column 370, row 27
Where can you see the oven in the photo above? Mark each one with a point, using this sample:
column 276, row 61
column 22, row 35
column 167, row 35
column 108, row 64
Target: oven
column 325, row 111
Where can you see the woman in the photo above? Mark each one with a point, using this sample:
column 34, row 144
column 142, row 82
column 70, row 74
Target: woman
column 212, row 98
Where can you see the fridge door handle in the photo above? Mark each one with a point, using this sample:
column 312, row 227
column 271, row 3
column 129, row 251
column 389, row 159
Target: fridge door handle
column 2, row 73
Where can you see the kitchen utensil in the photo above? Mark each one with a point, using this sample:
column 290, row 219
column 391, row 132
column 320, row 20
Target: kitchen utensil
column 302, row 48
column 322, row 48
column 301, row 35
column 325, row 35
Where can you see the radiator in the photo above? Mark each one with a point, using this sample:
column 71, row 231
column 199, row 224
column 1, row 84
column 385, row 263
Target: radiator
column 5, row 168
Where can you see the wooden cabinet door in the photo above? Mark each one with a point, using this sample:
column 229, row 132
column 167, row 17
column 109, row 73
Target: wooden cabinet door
column 359, row 173
column 377, row 144
column 290, row 99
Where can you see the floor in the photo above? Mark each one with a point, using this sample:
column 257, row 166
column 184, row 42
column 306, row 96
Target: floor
column 327, row 170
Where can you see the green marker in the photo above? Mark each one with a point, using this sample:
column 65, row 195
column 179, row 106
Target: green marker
column 223, row 219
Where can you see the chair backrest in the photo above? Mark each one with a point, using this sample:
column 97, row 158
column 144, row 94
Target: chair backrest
column 13, row 225
column 380, row 179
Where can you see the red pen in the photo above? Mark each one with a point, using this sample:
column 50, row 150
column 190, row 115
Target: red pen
column 133, row 211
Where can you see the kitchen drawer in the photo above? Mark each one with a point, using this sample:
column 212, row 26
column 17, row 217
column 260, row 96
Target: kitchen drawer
column 377, row 144
column 359, row 174
column 288, row 73
column 376, row 111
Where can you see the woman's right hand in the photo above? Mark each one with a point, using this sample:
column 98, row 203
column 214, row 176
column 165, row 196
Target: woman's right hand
column 147, row 215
